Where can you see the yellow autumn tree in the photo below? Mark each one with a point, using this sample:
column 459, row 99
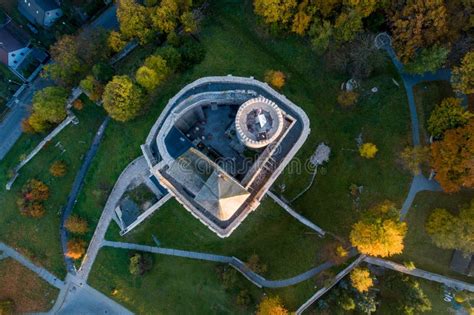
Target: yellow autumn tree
column 275, row 11
column 379, row 232
column 276, row 79
column 361, row 279
column 271, row 306
column 368, row 150
column 76, row 248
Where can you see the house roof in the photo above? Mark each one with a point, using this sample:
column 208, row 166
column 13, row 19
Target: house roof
column 12, row 38
column 34, row 10
column 45, row 5
column 462, row 263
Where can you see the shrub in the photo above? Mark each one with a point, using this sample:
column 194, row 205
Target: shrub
column 368, row 150
column 172, row 57
column 58, row 169
column 192, row 53
column 140, row 264
column 31, row 209
column 35, row 190
column 26, row 126
column 410, row 265
column 92, row 88
column 256, row 265
column 116, row 42
column 75, row 224
column 76, row 248
column 347, row 98
column 275, row 78
column 243, row 298
column 361, row 279
column 78, row 104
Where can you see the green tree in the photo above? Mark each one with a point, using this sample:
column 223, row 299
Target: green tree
column 347, row 26
column 448, row 115
column 122, row 99
column 92, row 87
column 463, row 76
column 172, row 57
column 189, row 22
column 103, row 72
column 67, row 66
column 135, row 21
column 320, row 33
column 429, row 59
column 449, row 231
column 116, row 41
column 379, row 232
column 7, row 307
column 49, row 104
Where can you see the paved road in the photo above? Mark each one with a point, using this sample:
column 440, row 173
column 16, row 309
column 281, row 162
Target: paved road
column 233, row 261
column 134, row 169
column 452, row 283
column 41, row 272
column 10, row 127
column 76, row 188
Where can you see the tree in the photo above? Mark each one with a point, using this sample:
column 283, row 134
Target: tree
column 366, row 302
column 321, row 32
column 452, row 158
column 67, row 66
column 35, row 190
column 275, row 78
column 76, row 224
column 33, row 209
column 58, row 169
column 135, row 21
column 275, row 11
column 189, row 22
column 379, row 232
column 410, row 298
column 27, row 127
column 78, row 104
column 140, row 264
column 347, row 98
column 416, row 25
column 361, row 279
column 92, row 87
column 165, row 16
column 414, row 156
column 428, row 60
column 172, row 57
column 49, row 104
column 271, row 306
column 7, row 307
column 38, row 124
column 116, row 42
column 448, row 115
column 76, row 248
column 243, row 298
column 301, row 20
column 153, row 72
column 103, row 72
column 368, row 150
column 192, row 53
column 448, row 231
column 463, row 76
column 347, row 26
column 122, row 98
column 256, row 265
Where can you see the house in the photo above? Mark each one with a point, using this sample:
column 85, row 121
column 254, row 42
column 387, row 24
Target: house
column 462, row 263
column 41, row 12
column 14, row 45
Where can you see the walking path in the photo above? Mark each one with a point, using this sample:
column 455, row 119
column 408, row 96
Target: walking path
column 41, row 272
column 325, row 289
column 76, row 188
column 452, row 283
column 134, row 169
column 296, row 215
column 255, row 278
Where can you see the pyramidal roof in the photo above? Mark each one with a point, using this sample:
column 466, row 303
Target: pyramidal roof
column 221, row 195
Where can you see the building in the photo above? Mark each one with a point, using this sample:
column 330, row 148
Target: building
column 462, row 263
column 14, row 44
column 220, row 144
column 41, row 12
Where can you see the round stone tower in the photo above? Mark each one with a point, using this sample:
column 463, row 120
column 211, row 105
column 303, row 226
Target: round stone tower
column 258, row 122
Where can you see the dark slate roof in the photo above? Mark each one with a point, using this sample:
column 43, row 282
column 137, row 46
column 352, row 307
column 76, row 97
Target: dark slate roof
column 46, row 5
column 462, row 263
column 12, row 38
column 42, row 6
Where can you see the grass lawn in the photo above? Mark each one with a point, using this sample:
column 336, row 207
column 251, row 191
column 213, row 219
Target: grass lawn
column 39, row 238
column 427, row 96
column 29, row 292
column 236, row 45
column 418, row 245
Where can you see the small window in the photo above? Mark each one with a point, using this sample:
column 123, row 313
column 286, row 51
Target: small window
column 14, row 61
column 13, row 55
column 22, row 54
column 48, row 13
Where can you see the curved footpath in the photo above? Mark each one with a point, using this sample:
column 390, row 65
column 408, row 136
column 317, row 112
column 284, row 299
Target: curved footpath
column 255, row 278
column 76, row 188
